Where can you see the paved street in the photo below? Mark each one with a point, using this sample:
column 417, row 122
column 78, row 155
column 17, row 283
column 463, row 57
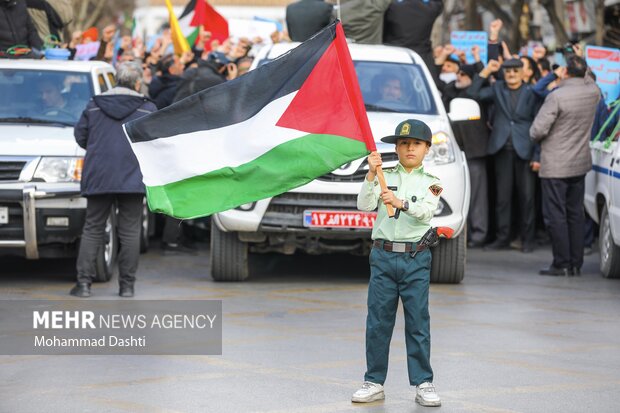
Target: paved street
column 506, row 340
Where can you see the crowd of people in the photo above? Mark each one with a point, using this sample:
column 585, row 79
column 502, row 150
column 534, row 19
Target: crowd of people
column 511, row 150
column 532, row 139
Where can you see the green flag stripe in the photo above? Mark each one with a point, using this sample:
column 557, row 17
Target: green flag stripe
column 286, row 166
column 191, row 38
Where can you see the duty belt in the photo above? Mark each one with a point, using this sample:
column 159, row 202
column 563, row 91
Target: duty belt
column 398, row 246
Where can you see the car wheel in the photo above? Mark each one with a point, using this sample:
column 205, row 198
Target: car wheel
column 448, row 265
column 610, row 253
column 229, row 256
column 108, row 252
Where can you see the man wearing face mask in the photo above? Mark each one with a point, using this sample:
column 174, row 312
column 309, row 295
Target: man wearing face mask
column 16, row 27
column 472, row 137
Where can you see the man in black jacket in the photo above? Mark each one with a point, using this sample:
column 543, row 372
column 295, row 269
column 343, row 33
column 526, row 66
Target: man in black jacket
column 163, row 87
column 210, row 72
column 16, row 27
column 306, row 17
column 408, row 23
column 111, row 176
column 472, row 137
column 516, row 106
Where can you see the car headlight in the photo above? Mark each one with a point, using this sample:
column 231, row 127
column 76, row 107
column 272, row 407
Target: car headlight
column 57, row 169
column 441, row 150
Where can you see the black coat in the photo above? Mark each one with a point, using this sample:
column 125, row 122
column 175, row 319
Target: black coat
column 198, row 78
column 472, row 136
column 163, row 88
column 16, row 27
column 508, row 123
column 110, row 166
column 306, row 17
column 408, row 23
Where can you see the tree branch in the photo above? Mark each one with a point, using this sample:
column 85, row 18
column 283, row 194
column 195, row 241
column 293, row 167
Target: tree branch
column 560, row 32
column 94, row 16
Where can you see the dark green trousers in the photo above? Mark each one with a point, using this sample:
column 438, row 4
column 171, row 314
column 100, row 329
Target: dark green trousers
column 392, row 276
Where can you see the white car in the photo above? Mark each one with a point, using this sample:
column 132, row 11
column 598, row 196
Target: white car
column 602, row 202
column 284, row 223
column 41, row 210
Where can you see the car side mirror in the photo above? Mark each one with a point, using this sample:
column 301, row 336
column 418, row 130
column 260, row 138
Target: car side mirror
column 463, row 110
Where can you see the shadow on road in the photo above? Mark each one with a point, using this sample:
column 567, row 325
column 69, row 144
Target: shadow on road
column 303, row 268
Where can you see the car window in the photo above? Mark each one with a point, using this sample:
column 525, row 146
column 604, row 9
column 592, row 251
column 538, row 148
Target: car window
column 392, row 87
column 43, row 96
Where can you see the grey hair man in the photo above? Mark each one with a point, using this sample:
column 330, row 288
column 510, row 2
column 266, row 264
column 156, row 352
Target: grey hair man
column 563, row 128
column 111, row 178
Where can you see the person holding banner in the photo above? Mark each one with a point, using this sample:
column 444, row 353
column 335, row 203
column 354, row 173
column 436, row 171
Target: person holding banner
column 399, row 264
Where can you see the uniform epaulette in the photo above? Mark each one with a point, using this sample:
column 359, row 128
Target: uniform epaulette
column 392, row 169
column 431, row 175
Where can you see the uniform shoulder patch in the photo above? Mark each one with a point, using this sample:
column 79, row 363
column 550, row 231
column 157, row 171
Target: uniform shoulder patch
column 435, row 189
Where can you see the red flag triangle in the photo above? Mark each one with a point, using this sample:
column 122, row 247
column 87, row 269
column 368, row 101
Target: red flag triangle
column 330, row 100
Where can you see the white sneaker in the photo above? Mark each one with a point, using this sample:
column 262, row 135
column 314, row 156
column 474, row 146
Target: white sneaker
column 369, row 392
column 426, row 395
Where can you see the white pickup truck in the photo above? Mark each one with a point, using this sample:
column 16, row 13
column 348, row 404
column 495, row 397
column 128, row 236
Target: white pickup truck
column 602, row 202
column 41, row 210
column 320, row 217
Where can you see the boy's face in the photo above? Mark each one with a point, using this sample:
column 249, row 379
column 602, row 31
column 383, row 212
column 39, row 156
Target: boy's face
column 411, row 152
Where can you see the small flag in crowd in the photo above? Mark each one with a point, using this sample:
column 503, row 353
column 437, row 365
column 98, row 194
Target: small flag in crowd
column 274, row 129
column 179, row 42
column 200, row 13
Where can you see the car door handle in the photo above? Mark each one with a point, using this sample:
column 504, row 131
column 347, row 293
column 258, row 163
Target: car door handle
column 612, row 162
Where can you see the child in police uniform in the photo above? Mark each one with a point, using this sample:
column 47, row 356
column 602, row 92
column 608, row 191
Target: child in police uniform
column 394, row 272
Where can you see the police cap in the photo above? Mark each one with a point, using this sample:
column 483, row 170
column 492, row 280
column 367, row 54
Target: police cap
column 410, row 128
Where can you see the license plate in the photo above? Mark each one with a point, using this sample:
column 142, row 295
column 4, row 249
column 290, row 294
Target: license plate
column 4, row 215
column 339, row 219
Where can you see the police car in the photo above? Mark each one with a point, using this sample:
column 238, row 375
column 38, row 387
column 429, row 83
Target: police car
column 41, row 210
column 602, row 203
column 322, row 217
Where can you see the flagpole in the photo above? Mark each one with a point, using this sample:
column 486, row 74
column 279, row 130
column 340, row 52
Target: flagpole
column 383, row 185
column 338, row 11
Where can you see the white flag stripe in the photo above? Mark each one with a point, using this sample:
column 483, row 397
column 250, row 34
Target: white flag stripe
column 167, row 160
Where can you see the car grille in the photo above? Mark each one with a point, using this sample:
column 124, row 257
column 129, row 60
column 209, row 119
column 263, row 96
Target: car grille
column 360, row 173
column 286, row 211
column 10, row 170
column 14, row 230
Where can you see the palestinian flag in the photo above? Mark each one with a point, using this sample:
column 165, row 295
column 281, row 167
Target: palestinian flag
column 200, row 13
column 274, row 129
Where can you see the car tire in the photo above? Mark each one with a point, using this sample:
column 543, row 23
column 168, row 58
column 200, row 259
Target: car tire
column 610, row 252
column 107, row 256
column 448, row 265
column 229, row 256
column 145, row 227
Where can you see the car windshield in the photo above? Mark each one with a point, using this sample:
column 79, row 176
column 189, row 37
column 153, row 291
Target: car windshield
column 35, row 96
column 394, row 87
